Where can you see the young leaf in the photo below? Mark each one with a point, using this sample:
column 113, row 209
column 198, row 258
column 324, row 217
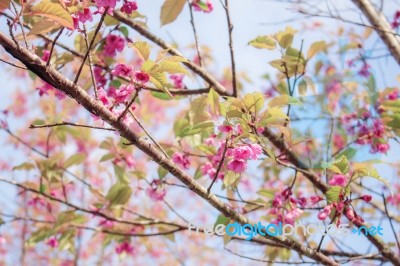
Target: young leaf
column 172, row 67
column 143, row 48
column 332, row 195
column 263, row 42
column 230, row 178
column 316, row 48
column 283, row 100
column 4, row 4
column 170, row 10
column 53, row 11
column 74, row 160
column 43, row 26
column 254, row 102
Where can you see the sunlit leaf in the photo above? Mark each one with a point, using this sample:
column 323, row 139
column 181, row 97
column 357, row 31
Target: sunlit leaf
column 53, row 11
column 170, row 10
column 263, row 42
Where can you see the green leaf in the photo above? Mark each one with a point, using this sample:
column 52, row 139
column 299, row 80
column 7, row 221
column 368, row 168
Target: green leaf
column 315, row 48
column 283, row 100
column 24, row 166
column 160, row 81
column 39, row 235
column 170, row 10
column 172, row 67
column 69, row 217
column 269, row 193
column 302, row 87
column 263, row 42
column 119, row 194
column 53, row 11
column 221, row 220
column 43, row 26
column 143, row 48
column 75, row 159
column 124, row 31
column 161, row 172
column 348, row 153
column 254, row 102
column 332, row 195
column 340, row 166
column 230, row 178
column 107, row 157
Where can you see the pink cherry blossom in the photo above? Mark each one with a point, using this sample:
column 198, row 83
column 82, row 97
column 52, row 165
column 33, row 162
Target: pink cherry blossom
column 181, row 159
column 338, row 180
column 113, row 44
column 84, row 16
column 125, row 247
column 128, row 7
column 225, row 128
column 141, row 76
column 122, row 70
column 238, row 166
column 178, row 80
column 52, row 242
column 242, row 152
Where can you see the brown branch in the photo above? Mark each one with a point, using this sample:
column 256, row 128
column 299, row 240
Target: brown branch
column 379, row 21
column 57, row 80
column 12, row 64
column 69, row 124
column 231, row 50
column 196, row 41
column 171, row 50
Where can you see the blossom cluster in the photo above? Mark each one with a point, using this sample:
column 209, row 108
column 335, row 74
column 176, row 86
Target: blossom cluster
column 369, row 131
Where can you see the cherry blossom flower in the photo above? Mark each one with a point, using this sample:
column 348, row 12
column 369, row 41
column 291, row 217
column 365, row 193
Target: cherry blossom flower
column 141, row 76
column 113, row 44
column 84, row 16
column 128, row 7
column 181, row 159
column 52, row 242
column 122, row 70
column 238, row 166
column 338, row 180
column 125, row 247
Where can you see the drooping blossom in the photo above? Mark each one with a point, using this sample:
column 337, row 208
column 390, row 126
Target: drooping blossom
column 128, row 7
column 124, row 247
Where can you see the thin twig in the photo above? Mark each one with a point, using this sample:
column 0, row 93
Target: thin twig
column 70, row 124
column 129, row 104
column 221, row 162
column 148, row 134
column 96, row 96
column 20, row 24
column 53, row 44
column 90, row 45
column 391, row 222
column 12, row 64
column 196, row 41
column 231, row 50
